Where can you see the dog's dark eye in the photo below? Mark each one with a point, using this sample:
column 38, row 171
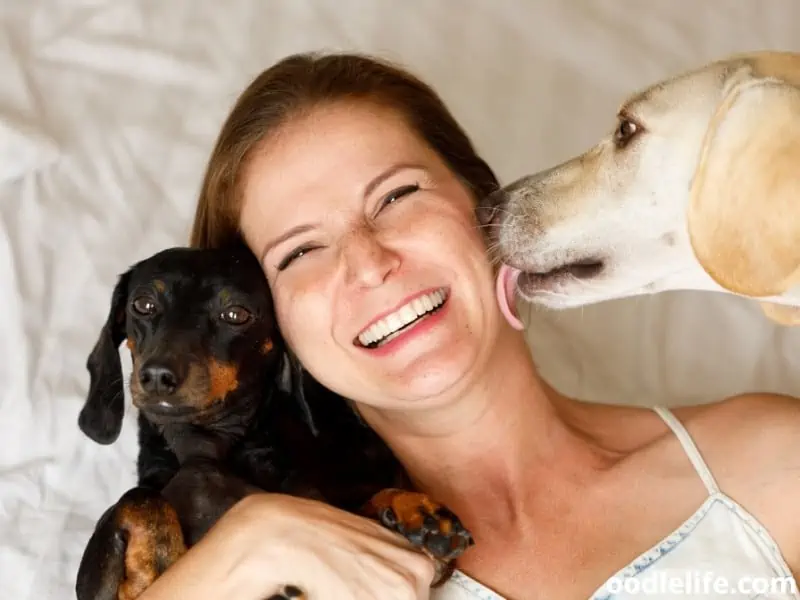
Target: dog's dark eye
column 235, row 315
column 143, row 306
column 627, row 129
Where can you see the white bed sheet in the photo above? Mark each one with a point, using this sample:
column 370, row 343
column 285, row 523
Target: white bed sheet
column 108, row 109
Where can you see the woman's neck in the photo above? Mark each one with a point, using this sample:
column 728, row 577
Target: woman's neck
column 495, row 442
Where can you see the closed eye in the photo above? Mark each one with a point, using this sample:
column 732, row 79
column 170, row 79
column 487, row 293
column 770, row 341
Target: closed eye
column 396, row 194
column 388, row 199
column 294, row 255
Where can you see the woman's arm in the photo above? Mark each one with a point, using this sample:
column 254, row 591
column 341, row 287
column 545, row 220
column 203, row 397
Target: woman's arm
column 216, row 567
column 267, row 541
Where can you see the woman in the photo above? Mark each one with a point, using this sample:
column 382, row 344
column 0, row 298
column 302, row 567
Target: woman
column 356, row 189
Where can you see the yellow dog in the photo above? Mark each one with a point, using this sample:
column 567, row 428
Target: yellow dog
column 697, row 187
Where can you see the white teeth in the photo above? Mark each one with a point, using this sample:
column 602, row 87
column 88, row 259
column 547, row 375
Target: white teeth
column 401, row 317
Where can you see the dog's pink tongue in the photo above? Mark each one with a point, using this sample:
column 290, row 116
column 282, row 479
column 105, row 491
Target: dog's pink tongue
column 504, row 289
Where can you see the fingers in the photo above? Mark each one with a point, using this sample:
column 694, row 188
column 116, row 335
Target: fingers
column 408, row 577
column 409, row 569
column 424, row 571
column 330, row 551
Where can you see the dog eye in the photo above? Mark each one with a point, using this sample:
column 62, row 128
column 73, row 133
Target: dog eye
column 626, row 130
column 235, row 315
column 143, row 306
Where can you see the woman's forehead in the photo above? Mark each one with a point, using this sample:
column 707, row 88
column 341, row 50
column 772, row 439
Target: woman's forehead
column 331, row 153
column 344, row 139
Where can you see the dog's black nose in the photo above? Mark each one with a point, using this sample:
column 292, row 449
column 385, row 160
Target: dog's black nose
column 490, row 207
column 158, row 379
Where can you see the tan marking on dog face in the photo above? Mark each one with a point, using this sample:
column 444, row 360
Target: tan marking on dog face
column 224, row 379
column 135, row 384
column 160, row 286
column 132, row 348
column 266, row 348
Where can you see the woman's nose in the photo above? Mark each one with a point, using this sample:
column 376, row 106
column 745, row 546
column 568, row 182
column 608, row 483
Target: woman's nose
column 367, row 261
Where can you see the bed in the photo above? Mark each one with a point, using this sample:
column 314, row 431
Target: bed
column 108, row 109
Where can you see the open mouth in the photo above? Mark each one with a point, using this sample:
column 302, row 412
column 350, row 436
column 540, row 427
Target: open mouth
column 511, row 280
column 580, row 269
column 406, row 317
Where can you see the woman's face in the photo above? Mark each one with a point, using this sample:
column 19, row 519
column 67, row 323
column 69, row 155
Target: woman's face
column 380, row 277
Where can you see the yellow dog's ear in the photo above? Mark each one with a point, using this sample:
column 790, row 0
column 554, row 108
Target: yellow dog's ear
column 781, row 314
column 744, row 208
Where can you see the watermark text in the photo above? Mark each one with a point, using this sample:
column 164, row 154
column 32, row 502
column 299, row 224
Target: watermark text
column 699, row 583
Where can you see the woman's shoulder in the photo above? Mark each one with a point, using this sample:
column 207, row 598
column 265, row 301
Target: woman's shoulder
column 764, row 428
column 731, row 422
column 736, row 420
column 750, row 443
column 743, row 439
column 744, row 417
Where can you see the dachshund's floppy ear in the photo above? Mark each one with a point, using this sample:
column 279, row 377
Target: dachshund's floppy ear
column 744, row 208
column 102, row 414
column 298, row 378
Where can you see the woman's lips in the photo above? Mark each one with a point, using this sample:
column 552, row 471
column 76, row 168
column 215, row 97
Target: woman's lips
column 505, row 288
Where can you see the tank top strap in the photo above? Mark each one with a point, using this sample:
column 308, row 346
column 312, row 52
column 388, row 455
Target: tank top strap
column 689, row 447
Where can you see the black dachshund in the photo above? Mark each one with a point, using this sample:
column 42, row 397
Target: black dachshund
column 215, row 424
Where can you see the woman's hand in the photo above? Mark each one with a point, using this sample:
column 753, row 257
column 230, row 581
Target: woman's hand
column 269, row 540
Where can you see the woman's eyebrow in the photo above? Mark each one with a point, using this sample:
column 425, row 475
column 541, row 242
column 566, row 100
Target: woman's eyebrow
column 286, row 235
column 368, row 189
column 393, row 170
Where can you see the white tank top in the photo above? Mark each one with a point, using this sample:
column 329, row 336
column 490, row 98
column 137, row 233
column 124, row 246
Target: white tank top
column 721, row 551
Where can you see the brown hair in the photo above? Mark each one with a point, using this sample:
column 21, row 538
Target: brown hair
column 298, row 83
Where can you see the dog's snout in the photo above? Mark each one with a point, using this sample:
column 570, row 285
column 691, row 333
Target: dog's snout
column 159, row 378
column 502, row 201
column 490, row 206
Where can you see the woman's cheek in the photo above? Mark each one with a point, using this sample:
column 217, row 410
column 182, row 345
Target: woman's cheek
column 298, row 318
column 283, row 313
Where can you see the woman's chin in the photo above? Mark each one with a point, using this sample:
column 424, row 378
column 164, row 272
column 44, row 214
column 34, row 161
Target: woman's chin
column 428, row 382
column 430, row 366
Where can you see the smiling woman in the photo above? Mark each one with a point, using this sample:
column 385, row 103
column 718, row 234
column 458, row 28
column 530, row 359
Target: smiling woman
column 357, row 190
column 349, row 253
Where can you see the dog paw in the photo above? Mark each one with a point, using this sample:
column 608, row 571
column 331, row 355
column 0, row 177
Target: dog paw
column 426, row 524
column 154, row 539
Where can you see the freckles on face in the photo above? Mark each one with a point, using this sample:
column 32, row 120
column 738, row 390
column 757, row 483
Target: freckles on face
column 352, row 216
